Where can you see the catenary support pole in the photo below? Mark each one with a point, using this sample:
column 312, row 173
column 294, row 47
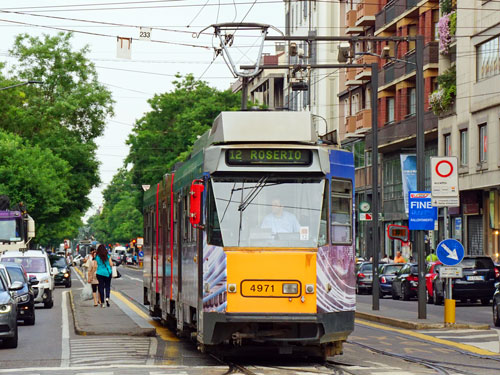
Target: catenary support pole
column 244, row 93
column 420, row 134
column 375, row 237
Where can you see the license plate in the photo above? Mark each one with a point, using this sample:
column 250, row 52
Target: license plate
column 473, row 278
column 369, row 277
column 268, row 288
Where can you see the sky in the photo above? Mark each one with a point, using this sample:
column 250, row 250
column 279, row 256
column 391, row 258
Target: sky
column 153, row 64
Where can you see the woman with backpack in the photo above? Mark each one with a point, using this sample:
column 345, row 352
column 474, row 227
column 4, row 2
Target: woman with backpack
column 104, row 273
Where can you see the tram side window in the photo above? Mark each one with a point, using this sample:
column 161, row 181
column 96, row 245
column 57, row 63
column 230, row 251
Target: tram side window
column 213, row 226
column 341, row 211
column 323, row 226
column 187, row 225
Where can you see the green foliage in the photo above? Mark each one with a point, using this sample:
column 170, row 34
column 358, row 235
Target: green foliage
column 442, row 99
column 165, row 135
column 453, row 23
column 62, row 116
column 35, row 176
column 120, row 220
column 446, row 6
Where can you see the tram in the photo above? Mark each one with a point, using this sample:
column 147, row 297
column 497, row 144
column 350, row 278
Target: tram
column 250, row 241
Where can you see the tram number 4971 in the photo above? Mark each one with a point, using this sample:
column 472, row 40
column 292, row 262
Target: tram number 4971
column 262, row 288
column 270, row 288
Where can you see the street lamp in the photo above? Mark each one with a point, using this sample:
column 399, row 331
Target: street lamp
column 20, row 84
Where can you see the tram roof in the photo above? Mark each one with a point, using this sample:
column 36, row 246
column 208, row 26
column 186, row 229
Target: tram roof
column 240, row 126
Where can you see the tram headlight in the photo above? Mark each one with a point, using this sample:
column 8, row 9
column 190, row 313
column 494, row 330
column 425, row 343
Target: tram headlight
column 290, row 288
column 309, row 288
column 231, row 288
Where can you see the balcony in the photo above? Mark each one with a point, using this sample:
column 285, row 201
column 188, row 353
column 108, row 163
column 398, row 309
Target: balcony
column 350, row 78
column 366, row 14
column 389, row 13
column 387, row 74
column 364, row 119
column 350, row 23
column 350, row 124
column 365, row 74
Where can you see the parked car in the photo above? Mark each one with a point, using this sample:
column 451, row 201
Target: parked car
column 63, row 275
column 24, row 297
column 36, row 263
column 431, row 277
column 497, row 271
column 496, row 306
column 387, row 273
column 405, row 284
column 478, row 281
column 8, row 313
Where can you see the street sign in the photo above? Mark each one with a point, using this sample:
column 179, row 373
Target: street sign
column 422, row 214
column 451, row 272
column 444, row 181
column 365, row 216
column 450, row 252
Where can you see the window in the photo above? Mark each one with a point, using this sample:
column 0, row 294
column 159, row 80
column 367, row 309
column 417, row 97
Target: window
column 390, row 109
column 346, row 108
column 359, row 154
column 412, row 101
column 354, row 104
column 368, row 98
column 341, row 211
column 435, row 23
column 368, row 158
column 412, row 31
column 464, row 147
column 483, row 144
column 488, row 58
column 447, row 145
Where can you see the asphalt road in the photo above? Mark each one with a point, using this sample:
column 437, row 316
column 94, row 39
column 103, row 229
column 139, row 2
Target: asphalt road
column 464, row 312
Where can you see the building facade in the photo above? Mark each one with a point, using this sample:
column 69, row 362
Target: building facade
column 469, row 123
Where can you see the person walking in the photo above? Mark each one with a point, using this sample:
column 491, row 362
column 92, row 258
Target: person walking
column 104, row 272
column 432, row 257
column 92, row 278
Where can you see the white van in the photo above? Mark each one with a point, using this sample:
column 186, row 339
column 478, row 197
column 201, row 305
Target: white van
column 36, row 263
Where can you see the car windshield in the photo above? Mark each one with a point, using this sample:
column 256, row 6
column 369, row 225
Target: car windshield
column 30, row 264
column 16, row 274
column 481, row 263
column 58, row 262
column 367, row 267
column 266, row 211
column 391, row 269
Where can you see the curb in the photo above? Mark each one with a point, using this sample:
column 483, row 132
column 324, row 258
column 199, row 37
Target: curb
column 145, row 332
column 417, row 326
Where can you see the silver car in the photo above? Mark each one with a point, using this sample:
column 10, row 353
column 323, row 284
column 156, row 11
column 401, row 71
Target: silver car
column 8, row 313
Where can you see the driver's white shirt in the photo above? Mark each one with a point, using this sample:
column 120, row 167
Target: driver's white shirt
column 286, row 223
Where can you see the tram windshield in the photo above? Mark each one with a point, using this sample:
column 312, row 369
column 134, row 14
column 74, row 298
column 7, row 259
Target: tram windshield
column 267, row 211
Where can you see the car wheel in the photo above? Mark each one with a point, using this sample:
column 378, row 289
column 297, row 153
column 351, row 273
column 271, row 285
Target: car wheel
column 30, row 321
column 430, row 299
column 438, row 300
column 68, row 284
column 496, row 314
column 49, row 305
column 485, row 301
column 357, row 289
column 11, row 342
column 394, row 295
column 405, row 293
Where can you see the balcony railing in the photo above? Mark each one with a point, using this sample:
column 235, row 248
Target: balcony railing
column 392, row 10
column 364, row 119
column 366, row 59
column 350, row 125
column 350, row 18
column 367, row 12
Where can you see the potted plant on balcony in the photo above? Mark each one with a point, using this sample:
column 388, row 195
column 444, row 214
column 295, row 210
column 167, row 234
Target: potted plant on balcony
column 447, row 26
column 443, row 98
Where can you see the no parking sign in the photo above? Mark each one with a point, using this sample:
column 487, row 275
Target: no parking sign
column 444, row 181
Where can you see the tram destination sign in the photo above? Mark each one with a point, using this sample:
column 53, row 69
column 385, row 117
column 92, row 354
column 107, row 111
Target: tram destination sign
column 268, row 156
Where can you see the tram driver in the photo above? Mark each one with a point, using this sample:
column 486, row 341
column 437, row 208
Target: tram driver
column 279, row 220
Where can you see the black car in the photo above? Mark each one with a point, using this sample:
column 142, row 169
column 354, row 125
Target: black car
column 496, row 306
column 405, row 283
column 387, row 273
column 478, row 281
column 25, row 297
column 63, row 276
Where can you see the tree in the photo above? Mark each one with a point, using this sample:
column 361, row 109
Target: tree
column 64, row 114
column 35, row 176
column 120, row 220
column 166, row 134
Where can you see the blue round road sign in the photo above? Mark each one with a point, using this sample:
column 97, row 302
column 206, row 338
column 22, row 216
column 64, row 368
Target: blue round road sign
column 450, row 252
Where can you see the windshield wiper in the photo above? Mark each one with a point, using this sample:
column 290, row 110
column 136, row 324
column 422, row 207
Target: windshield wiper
column 253, row 193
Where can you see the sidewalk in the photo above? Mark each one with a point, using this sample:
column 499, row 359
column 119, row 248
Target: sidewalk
column 409, row 319
column 121, row 318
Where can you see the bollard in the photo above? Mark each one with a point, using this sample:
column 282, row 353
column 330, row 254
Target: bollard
column 449, row 311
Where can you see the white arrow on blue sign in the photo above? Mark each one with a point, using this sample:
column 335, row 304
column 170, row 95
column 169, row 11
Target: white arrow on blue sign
column 450, row 252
